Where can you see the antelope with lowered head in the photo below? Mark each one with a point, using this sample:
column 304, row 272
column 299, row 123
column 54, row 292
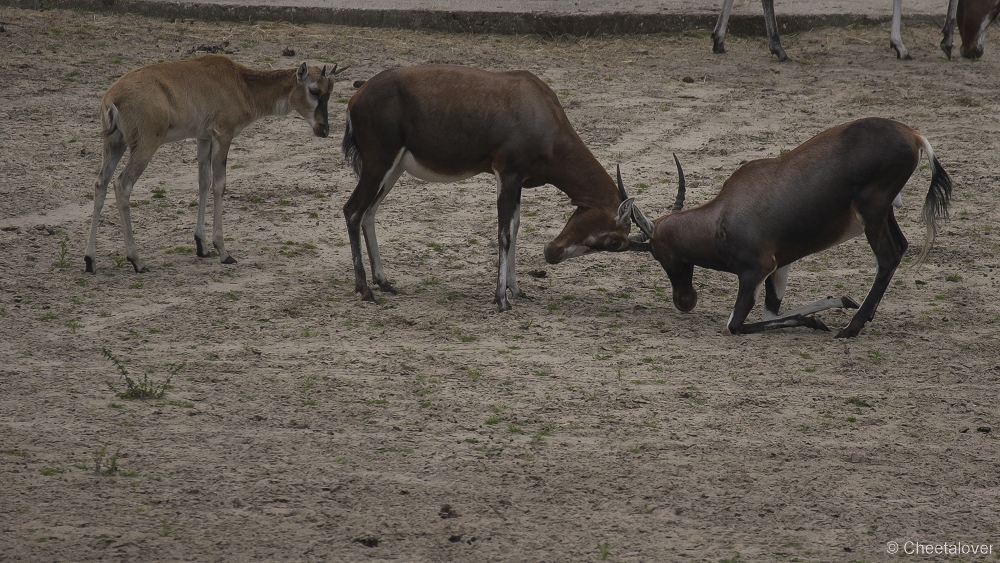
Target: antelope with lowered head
column 444, row 123
column 210, row 98
column 973, row 17
column 771, row 212
column 771, row 23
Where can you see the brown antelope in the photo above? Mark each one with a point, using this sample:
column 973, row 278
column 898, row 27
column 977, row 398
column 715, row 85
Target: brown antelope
column 771, row 23
column 772, row 212
column 973, row 17
column 445, row 123
column 210, row 98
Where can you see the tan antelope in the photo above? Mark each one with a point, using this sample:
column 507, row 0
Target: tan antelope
column 210, row 98
column 444, row 123
column 973, row 17
column 771, row 23
column 774, row 211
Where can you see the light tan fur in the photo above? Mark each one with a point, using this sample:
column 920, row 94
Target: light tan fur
column 210, row 98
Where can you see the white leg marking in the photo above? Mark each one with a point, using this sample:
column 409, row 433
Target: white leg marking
column 515, row 223
column 368, row 219
column 895, row 39
column 502, row 267
column 780, row 279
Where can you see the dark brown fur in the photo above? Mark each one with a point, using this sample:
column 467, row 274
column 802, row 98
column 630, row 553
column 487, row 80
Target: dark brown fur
column 457, row 121
column 774, row 211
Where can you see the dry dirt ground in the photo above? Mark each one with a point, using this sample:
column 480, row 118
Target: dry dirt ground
column 592, row 422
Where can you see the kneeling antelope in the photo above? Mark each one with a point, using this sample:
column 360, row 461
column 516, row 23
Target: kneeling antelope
column 772, row 212
column 446, row 123
column 209, row 98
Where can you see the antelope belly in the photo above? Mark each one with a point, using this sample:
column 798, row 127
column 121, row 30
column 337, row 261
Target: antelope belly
column 418, row 170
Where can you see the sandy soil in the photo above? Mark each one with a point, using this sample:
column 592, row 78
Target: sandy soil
column 591, row 422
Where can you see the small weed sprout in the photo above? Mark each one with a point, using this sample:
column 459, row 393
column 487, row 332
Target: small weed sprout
column 63, row 262
column 144, row 388
column 104, row 465
column 604, row 548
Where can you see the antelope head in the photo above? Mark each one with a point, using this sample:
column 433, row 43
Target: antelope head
column 973, row 18
column 312, row 95
column 593, row 229
column 640, row 241
column 685, row 296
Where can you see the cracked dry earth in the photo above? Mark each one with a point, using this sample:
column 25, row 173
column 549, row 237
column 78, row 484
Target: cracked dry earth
column 592, row 422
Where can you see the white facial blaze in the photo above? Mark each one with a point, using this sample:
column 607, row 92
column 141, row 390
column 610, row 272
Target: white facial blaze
column 575, row 250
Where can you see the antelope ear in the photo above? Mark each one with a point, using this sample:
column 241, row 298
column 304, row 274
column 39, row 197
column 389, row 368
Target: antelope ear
column 302, row 74
column 641, row 221
column 624, row 219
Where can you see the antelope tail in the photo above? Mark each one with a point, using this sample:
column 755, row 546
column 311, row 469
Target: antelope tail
column 352, row 152
column 109, row 120
column 936, row 202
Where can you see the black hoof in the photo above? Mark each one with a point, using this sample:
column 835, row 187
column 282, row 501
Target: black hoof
column 816, row 323
column 229, row 260
column 946, row 47
column 200, row 248
column 388, row 287
column 849, row 303
column 366, row 294
column 847, row 333
column 90, row 265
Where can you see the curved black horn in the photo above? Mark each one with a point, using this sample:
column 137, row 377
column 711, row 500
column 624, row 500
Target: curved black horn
column 679, row 202
column 621, row 187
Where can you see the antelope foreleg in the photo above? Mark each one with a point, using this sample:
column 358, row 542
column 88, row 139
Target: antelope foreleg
column 749, row 288
column 771, row 23
column 719, row 33
column 844, row 302
column 948, row 31
column 895, row 38
column 204, row 187
column 774, row 287
column 508, row 221
column 220, row 153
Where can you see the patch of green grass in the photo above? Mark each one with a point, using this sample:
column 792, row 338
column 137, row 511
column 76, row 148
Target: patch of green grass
column 876, row 356
column 474, row 373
